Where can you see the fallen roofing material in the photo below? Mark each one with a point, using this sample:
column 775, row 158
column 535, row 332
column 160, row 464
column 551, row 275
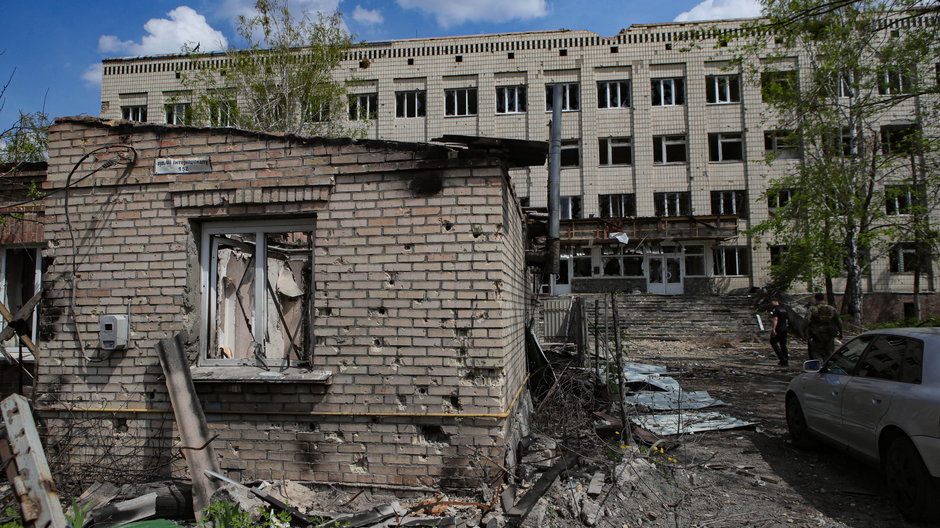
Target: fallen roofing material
column 685, row 423
column 673, row 400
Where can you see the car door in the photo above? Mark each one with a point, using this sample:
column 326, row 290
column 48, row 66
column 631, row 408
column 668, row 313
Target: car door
column 867, row 395
column 823, row 391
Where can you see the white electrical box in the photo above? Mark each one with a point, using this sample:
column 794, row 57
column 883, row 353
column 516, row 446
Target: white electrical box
column 113, row 332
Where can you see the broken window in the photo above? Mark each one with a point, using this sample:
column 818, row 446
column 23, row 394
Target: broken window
column 222, row 113
column 134, row 113
column 615, row 151
column 613, row 94
column 570, row 153
column 731, row 260
column 776, row 86
column 722, row 89
column 257, row 288
column 729, row 203
column 510, row 100
column 363, row 106
column 781, row 144
column 694, row 261
column 669, row 149
column 777, row 199
column 672, row 203
column 616, row 205
column 178, row 114
column 894, row 81
column 570, row 97
column 902, row 258
column 570, row 207
column 460, row 102
column 898, row 199
column 726, row 147
column 668, row 92
column 409, row 104
column 22, row 273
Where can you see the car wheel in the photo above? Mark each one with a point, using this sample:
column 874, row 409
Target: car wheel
column 796, row 424
column 910, row 485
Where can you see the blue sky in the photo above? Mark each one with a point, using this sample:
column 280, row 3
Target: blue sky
column 53, row 48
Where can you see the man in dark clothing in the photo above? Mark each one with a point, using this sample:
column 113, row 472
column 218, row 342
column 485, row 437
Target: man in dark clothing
column 778, row 332
column 824, row 326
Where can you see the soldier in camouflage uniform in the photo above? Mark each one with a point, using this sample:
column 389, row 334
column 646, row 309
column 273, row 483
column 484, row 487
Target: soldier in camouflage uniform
column 824, row 326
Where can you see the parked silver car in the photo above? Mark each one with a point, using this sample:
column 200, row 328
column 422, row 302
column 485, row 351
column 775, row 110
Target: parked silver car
column 878, row 396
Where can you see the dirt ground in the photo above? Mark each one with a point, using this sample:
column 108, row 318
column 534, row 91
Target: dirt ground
column 745, row 477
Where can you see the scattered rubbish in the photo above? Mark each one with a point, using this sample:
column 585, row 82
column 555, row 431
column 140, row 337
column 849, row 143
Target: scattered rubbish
column 685, row 423
column 522, row 508
column 596, row 486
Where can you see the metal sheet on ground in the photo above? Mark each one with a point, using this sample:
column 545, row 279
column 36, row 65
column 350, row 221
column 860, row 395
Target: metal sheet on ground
column 674, row 401
column 691, row 422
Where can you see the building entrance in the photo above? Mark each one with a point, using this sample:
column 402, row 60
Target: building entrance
column 664, row 272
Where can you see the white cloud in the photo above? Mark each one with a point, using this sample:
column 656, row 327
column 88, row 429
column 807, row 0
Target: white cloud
column 367, row 17
column 168, row 35
column 92, row 74
column 721, row 9
column 454, row 12
column 232, row 9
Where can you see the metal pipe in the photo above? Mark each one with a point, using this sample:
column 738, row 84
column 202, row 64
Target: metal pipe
column 554, row 184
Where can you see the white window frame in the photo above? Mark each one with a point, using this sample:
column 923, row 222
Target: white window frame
column 366, row 106
column 774, row 200
column 728, row 202
column 723, row 89
column 175, row 113
column 454, row 97
column 570, row 204
column 720, row 256
column 616, row 203
column 406, row 104
column 207, row 270
column 570, row 97
column 37, row 285
column 662, row 144
column 902, row 200
column 667, row 93
column 894, row 81
column 134, row 113
column 901, row 254
column 222, row 113
column 696, row 252
column 777, row 141
column 719, row 141
column 613, row 94
column 513, row 99
column 608, row 145
column 672, row 203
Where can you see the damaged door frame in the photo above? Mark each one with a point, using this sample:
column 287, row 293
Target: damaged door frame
column 209, row 233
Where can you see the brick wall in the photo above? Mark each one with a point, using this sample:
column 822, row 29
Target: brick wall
column 418, row 307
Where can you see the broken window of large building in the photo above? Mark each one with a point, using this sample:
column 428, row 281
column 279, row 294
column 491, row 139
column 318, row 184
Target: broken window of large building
column 21, row 268
column 257, row 293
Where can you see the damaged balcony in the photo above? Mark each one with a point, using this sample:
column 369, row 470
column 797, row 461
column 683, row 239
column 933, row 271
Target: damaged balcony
column 652, row 229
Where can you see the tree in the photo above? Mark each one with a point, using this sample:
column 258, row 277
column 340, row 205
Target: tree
column 25, row 140
column 283, row 80
column 861, row 107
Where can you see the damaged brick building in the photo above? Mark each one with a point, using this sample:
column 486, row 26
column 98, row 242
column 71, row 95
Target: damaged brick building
column 355, row 309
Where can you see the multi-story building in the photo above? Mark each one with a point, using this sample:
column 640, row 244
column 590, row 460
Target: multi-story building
column 664, row 140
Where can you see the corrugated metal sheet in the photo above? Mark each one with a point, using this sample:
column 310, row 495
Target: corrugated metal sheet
column 556, row 313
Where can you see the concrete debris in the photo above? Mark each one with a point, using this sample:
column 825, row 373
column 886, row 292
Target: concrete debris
column 596, row 486
column 632, row 470
column 591, row 512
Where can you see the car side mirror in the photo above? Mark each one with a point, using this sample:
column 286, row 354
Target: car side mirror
column 813, row 365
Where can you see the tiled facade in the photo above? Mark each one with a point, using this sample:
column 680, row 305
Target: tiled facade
column 662, row 117
column 417, row 303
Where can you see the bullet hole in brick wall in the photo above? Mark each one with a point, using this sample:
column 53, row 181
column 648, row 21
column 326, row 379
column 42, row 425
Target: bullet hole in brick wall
column 427, row 183
column 455, row 401
column 402, row 400
column 151, row 394
column 119, row 424
column 448, row 225
column 377, row 342
column 477, row 230
column 462, row 332
column 434, row 434
column 320, row 340
column 422, row 390
column 390, row 278
column 235, row 449
column 462, row 351
column 326, row 311
column 408, row 247
column 313, row 427
column 382, row 311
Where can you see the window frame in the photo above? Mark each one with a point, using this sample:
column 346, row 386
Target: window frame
column 899, row 200
column 418, row 101
column 207, row 286
column 776, row 143
column 518, row 99
column 623, row 99
column 699, row 256
column 902, row 259
column 177, row 113
column 668, row 204
column 355, row 106
column 453, row 97
column 136, row 113
column 732, row 89
column 608, row 204
column 787, row 79
column 570, row 145
column 720, row 261
column 719, row 143
column 38, row 265
column 895, row 81
column 774, row 201
column 606, row 148
column 661, row 149
column 566, row 97
column 676, row 92
column 735, row 199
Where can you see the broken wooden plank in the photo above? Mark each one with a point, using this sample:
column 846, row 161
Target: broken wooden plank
column 121, row 513
column 190, row 420
column 522, row 508
column 295, row 513
column 596, row 486
column 32, row 480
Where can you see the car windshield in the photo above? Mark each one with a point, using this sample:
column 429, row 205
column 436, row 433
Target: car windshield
column 844, row 360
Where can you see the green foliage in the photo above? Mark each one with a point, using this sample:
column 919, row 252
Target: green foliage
column 79, row 511
column 857, row 72
column 221, row 514
column 907, row 323
column 283, row 80
column 26, row 140
column 14, row 515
